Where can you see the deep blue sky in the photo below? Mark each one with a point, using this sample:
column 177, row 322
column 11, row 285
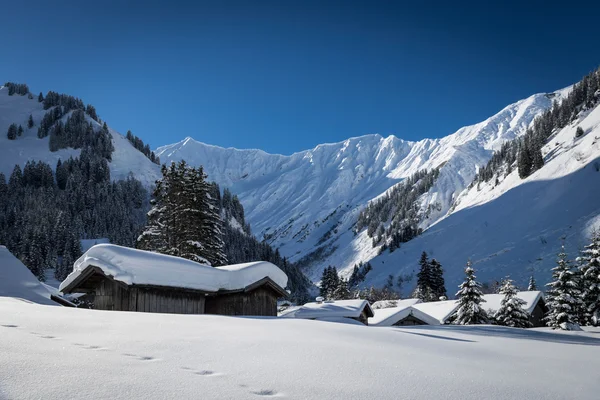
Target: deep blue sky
column 287, row 75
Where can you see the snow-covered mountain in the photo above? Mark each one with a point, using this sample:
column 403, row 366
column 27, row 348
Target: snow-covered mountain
column 16, row 110
column 306, row 204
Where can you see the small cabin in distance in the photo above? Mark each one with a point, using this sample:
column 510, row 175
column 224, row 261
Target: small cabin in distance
column 124, row 279
column 332, row 311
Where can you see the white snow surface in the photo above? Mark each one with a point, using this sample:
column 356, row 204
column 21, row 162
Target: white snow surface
column 16, row 280
column 328, row 309
column 63, row 353
column 126, row 160
column 312, row 198
column 139, row 267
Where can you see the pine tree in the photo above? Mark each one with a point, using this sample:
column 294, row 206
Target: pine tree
column 41, row 97
column 342, row 292
column 439, row 285
column 532, row 287
column 20, row 131
column 563, row 297
column 469, row 300
column 12, row 132
column 425, row 285
column 30, row 122
column 511, row 312
column 184, row 220
column 590, row 276
column 524, row 160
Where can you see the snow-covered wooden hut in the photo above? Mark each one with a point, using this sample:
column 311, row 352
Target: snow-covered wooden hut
column 333, row 311
column 534, row 305
column 401, row 313
column 125, row 279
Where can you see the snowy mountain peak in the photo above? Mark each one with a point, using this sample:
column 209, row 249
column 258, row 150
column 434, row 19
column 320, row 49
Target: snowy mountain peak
column 306, row 203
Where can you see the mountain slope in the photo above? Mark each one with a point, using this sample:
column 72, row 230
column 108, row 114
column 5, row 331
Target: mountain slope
column 306, row 204
column 16, row 109
column 518, row 226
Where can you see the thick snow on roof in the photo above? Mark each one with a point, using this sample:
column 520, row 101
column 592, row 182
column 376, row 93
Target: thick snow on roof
column 493, row 301
column 329, row 309
column 168, row 356
column 439, row 310
column 389, row 316
column 393, row 303
column 138, row 267
column 16, row 280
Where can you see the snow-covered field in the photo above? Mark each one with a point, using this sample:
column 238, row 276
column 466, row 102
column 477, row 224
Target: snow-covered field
column 64, row 353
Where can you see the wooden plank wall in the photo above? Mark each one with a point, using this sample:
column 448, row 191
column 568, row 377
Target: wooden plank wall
column 261, row 302
column 111, row 295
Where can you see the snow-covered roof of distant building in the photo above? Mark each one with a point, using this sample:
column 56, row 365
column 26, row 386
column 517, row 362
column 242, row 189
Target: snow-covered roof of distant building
column 404, row 308
column 439, row 310
column 16, row 280
column 330, row 309
column 531, row 298
column 392, row 303
column 145, row 268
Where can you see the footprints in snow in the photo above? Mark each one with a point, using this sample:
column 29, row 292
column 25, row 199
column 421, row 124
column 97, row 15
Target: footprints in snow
column 140, row 358
column 204, row 372
column 267, row 393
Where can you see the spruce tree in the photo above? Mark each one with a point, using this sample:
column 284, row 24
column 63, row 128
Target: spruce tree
column 563, row 296
column 532, row 287
column 30, row 122
column 511, row 312
column 590, row 276
column 469, row 300
column 424, row 289
column 439, row 285
column 524, row 160
column 20, row 131
column 41, row 97
column 341, row 292
column 12, row 132
column 184, row 220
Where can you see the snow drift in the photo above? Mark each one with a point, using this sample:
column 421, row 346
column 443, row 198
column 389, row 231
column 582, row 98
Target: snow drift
column 16, row 280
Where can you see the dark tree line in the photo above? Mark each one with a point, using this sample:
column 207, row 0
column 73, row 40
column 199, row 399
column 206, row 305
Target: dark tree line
column 399, row 207
column 143, row 148
column 527, row 150
column 43, row 216
column 17, row 88
column 77, row 133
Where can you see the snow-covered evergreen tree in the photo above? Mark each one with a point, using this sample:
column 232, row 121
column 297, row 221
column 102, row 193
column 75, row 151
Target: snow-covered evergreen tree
column 563, row 297
column 532, row 284
column 469, row 300
column 589, row 262
column 184, row 220
column 342, row 292
column 511, row 312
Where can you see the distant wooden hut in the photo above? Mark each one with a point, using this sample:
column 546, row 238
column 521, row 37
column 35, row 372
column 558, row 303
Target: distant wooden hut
column 124, row 279
column 534, row 305
column 332, row 311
